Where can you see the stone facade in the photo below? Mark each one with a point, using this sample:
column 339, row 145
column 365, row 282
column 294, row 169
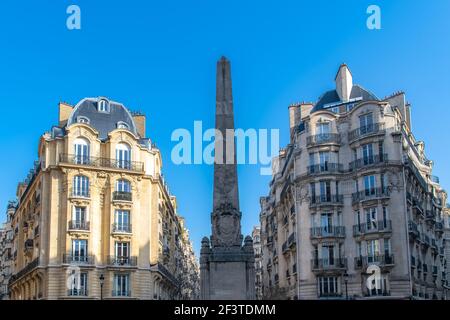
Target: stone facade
column 353, row 192
column 6, row 251
column 95, row 218
column 256, row 235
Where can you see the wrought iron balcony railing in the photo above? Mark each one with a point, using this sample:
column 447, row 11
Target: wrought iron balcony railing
column 292, row 240
column 372, row 227
column 373, row 128
column 413, row 229
column 328, row 264
column 81, row 292
column 79, row 225
column 80, row 193
column 328, row 232
column 122, row 261
column 327, row 199
column 78, row 259
column 101, row 162
column 380, row 260
column 370, row 194
column 122, row 196
column 322, row 138
column 326, row 167
column 121, row 228
column 120, row 293
column 368, row 161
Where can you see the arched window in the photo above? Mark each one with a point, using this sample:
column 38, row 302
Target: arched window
column 80, row 186
column 81, row 151
column 122, row 125
column 123, row 156
column 103, row 105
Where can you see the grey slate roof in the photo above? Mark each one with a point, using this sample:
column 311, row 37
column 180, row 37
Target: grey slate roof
column 103, row 122
column 333, row 97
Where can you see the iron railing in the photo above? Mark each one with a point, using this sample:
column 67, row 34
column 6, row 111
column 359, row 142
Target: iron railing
column 79, row 225
column 121, row 228
column 326, row 167
column 291, row 239
column 328, row 264
column 122, row 196
column 101, row 162
column 370, row 194
column 323, row 138
column 122, row 261
column 328, row 232
column 372, row 227
column 368, row 161
column 77, row 259
column 366, row 130
column 327, row 199
column 382, row 260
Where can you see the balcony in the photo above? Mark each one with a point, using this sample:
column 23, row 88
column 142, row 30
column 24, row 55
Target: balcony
column 121, row 293
column 122, row 196
column 102, row 162
column 425, row 242
column 380, row 226
column 439, row 227
column 368, row 161
column 83, row 194
column 325, row 168
column 370, row 194
column 418, row 206
column 335, row 264
column 367, row 130
column 292, row 240
column 413, row 230
column 435, row 271
column 77, row 259
column 430, row 216
column 328, row 199
column 285, row 248
column 384, row 260
column 276, row 278
column 327, row 232
column 294, row 269
column 413, row 262
column 122, row 261
column 81, row 292
column 121, row 228
column 79, row 225
column 29, row 245
column 323, row 138
column 434, row 246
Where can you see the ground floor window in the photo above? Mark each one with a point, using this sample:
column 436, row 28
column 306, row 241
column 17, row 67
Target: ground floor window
column 121, row 285
column 328, row 286
column 79, row 284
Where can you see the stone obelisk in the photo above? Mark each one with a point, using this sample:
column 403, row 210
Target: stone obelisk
column 227, row 267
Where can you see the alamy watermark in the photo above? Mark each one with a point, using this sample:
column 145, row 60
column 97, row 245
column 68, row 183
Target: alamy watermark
column 209, row 147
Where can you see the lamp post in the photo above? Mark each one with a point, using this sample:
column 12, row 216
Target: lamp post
column 102, row 281
column 346, row 283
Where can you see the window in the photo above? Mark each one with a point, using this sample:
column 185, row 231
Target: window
column 323, row 128
column 81, row 186
column 313, row 192
column 78, row 218
column 369, row 185
column 367, row 151
column 122, row 252
column 328, row 286
column 121, row 285
column 103, row 105
column 326, row 222
column 373, row 250
column 385, row 217
column 387, row 248
column 381, row 151
column 79, row 250
column 122, row 125
column 81, row 151
column 79, row 284
column 380, row 285
column 123, row 156
column 83, row 120
column 366, row 123
column 328, row 255
column 122, row 221
column 123, row 186
column 324, row 158
column 325, row 191
column 371, row 218
column 311, row 159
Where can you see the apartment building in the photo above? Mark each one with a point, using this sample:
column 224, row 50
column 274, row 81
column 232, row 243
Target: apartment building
column 94, row 219
column 354, row 211
column 256, row 235
column 6, row 254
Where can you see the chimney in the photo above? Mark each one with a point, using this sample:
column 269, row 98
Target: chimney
column 139, row 120
column 65, row 110
column 344, row 82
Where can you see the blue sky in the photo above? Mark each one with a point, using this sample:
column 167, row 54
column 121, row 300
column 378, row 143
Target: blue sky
column 159, row 57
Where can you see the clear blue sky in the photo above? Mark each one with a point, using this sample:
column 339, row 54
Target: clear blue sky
column 159, row 57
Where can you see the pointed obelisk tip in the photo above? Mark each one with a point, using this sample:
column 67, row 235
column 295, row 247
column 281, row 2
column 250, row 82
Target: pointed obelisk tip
column 223, row 59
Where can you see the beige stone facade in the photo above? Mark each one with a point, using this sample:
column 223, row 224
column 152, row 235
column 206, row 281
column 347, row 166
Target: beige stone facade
column 256, row 235
column 95, row 218
column 6, row 252
column 351, row 194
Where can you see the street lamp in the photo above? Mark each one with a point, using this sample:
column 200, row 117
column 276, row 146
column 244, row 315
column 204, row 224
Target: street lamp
column 102, row 281
column 346, row 282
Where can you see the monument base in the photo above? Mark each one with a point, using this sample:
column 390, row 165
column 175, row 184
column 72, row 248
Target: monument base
column 227, row 273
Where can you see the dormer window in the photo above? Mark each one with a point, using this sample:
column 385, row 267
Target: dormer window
column 122, row 125
column 83, row 120
column 103, row 106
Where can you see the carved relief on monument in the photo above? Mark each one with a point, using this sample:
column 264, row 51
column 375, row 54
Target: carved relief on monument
column 226, row 222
